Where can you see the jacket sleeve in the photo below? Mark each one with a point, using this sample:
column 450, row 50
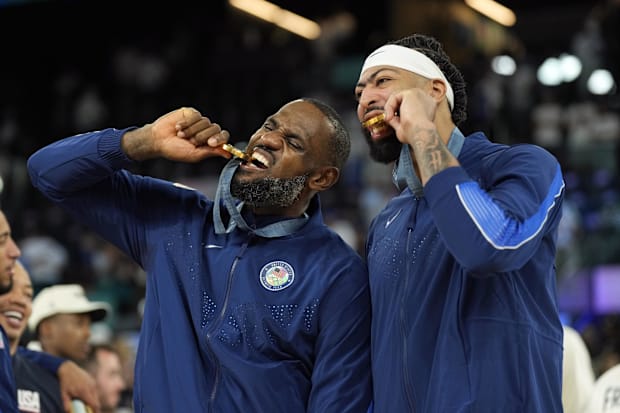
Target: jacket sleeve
column 499, row 224
column 84, row 175
column 45, row 360
column 341, row 374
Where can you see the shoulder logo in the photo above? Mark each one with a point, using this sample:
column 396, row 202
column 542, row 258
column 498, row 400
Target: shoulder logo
column 277, row 275
column 392, row 218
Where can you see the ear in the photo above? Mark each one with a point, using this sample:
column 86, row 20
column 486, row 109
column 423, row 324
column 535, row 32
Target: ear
column 323, row 178
column 44, row 328
column 438, row 89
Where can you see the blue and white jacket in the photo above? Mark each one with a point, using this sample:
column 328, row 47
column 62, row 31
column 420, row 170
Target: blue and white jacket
column 463, row 287
column 233, row 322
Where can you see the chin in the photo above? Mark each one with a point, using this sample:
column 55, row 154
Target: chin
column 384, row 149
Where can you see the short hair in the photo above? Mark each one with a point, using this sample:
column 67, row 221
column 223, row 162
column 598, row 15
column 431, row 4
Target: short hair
column 432, row 48
column 339, row 146
column 91, row 363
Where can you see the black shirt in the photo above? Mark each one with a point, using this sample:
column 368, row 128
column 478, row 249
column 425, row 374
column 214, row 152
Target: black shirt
column 38, row 390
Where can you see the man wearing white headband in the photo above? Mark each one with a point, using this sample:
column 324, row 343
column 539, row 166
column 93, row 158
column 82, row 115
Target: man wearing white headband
column 461, row 262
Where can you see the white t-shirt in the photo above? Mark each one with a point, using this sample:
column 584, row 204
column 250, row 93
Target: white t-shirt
column 577, row 372
column 606, row 393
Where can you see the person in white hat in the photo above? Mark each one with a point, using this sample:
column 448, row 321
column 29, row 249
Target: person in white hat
column 61, row 319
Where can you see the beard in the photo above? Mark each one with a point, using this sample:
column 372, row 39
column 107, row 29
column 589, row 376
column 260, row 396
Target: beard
column 269, row 192
column 385, row 150
column 5, row 288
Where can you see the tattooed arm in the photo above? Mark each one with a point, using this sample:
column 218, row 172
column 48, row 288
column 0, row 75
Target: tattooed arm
column 431, row 155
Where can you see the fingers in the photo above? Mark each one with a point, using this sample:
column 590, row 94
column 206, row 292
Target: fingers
column 392, row 106
column 199, row 130
column 211, row 135
column 66, row 402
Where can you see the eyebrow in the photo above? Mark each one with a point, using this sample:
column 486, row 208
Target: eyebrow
column 371, row 77
column 374, row 75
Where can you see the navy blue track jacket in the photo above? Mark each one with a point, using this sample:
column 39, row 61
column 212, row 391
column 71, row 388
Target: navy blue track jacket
column 232, row 322
column 463, row 287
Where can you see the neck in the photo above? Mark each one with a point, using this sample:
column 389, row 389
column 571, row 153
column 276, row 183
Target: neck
column 444, row 125
column 13, row 346
column 294, row 211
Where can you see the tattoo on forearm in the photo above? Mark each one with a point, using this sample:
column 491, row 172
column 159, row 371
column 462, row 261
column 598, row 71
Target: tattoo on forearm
column 431, row 154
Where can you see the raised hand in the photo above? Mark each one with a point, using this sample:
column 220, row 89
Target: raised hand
column 181, row 135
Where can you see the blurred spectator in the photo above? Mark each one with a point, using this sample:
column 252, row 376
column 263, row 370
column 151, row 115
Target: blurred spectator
column 577, row 372
column 127, row 345
column 61, row 320
column 606, row 393
column 104, row 363
column 45, row 259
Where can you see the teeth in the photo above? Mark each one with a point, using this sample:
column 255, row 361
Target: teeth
column 260, row 158
column 14, row 314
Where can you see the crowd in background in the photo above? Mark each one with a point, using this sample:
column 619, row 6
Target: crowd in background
column 125, row 75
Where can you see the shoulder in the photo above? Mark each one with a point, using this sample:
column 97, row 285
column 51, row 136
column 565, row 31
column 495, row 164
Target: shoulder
column 479, row 146
column 27, row 370
column 332, row 243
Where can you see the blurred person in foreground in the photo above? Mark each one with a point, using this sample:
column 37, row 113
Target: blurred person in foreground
column 61, row 320
column 252, row 303
column 461, row 261
column 605, row 395
column 74, row 382
column 104, row 364
column 577, row 372
column 37, row 388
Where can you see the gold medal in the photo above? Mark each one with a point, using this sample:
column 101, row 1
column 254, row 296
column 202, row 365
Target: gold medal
column 374, row 120
column 235, row 152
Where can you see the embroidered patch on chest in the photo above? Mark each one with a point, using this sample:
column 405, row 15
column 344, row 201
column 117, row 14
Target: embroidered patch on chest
column 277, row 275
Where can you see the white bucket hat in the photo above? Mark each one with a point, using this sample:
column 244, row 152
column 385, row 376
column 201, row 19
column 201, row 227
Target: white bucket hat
column 65, row 299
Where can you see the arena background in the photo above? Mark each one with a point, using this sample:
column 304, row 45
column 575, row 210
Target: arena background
column 73, row 66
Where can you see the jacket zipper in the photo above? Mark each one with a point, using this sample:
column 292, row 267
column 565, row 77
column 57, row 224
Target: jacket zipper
column 409, row 393
column 409, row 388
column 220, row 319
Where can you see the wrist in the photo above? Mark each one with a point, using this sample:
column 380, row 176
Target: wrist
column 137, row 144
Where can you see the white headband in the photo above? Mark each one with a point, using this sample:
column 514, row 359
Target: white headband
column 411, row 60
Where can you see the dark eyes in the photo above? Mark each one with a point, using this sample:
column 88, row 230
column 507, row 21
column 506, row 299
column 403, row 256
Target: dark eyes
column 291, row 141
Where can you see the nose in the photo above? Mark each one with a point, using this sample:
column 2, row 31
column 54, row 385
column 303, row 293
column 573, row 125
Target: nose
column 13, row 249
column 369, row 98
column 272, row 140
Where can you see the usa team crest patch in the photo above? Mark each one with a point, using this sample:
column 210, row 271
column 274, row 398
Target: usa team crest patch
column 277, row 275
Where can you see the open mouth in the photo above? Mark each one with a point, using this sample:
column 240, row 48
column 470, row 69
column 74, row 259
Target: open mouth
column 256, row 159
column 16, row 315
column 259, row 160
column 377, row 127
column 13, row 318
